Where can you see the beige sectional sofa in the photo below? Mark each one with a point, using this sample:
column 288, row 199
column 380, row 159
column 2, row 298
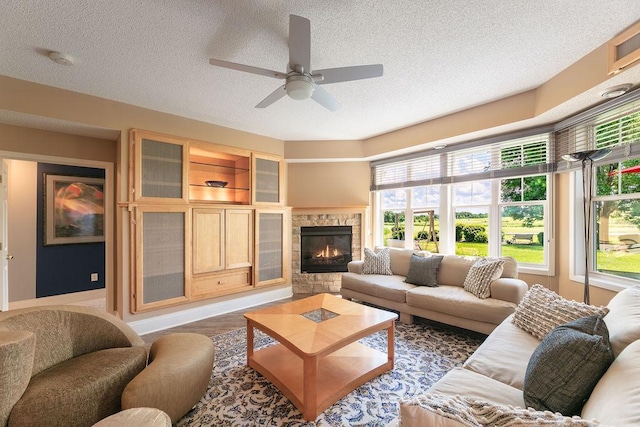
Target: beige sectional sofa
column 495, row 373
column 448, row 303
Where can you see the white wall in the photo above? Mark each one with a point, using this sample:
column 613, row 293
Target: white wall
column 22, row 221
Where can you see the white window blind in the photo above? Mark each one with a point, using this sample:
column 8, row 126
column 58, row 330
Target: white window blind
column 516, row 154
column 614, row 124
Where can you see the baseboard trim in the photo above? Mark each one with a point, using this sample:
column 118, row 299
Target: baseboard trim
column 159, row 323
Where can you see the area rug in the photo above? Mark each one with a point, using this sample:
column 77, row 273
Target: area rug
column 239, row 396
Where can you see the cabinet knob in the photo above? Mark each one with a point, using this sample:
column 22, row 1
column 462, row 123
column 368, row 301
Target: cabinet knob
column 9, row 257
column 219, row 282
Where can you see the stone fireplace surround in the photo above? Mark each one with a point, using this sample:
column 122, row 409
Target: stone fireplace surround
column 307, row 283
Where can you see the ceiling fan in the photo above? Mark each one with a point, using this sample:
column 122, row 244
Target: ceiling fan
column 301, row 82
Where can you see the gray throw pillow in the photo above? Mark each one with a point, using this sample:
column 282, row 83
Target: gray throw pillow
column 567, row 365
column 423, row 271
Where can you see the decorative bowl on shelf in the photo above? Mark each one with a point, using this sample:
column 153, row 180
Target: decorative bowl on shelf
column 219, row 184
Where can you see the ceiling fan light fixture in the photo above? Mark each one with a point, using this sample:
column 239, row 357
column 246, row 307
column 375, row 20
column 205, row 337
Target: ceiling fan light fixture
column 299, row 87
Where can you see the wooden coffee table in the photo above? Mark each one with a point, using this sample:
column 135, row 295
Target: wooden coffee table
column 317, row 359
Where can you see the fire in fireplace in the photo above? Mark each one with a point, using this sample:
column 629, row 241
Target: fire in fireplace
column 325, row 249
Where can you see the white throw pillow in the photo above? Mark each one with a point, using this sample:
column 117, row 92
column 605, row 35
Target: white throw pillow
column 541, row 310
column 481, row 274
column 377, row 263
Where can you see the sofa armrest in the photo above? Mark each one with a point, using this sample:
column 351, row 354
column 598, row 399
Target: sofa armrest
column 355, row 266
column 16, row 365
column 507, row 289
column 178, row 374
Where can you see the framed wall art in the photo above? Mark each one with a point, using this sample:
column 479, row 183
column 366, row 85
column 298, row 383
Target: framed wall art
column 73, row 209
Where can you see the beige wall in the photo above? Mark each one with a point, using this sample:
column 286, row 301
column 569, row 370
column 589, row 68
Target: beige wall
column 312, row 185
column 44, row 143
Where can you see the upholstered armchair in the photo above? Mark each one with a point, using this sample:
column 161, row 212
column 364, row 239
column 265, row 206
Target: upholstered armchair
column 71, row 365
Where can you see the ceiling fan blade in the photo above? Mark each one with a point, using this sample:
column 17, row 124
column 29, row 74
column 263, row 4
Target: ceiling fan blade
column 299, row 43
column 272, row 97
column 323, row 98
column 247, row 69
column 345, row 74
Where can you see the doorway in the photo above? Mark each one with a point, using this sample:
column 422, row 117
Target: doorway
column 21, row 241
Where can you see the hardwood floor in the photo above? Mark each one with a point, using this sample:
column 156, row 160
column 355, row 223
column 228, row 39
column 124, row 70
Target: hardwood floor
column 216, row 325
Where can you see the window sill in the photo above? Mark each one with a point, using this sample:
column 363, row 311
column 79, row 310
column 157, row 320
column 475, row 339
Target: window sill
column 537, row 271
column 608, row 282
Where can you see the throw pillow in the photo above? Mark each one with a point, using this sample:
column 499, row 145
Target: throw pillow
column 567, row 365
column 541, row 310
column 377, row 263
column 423, row 271
column 481, row 274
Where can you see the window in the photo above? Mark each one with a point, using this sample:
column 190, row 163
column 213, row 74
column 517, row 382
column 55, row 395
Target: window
column 616, row 207
column 522, row 218
column 615, row 203
column 472, row 201
column 485, row 197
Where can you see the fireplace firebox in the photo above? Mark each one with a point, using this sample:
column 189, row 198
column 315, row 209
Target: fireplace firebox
column 325, row 249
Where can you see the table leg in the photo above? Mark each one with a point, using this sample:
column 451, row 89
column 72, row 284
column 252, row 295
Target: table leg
column 249, row 341
column 309, row 385
column 391, row 348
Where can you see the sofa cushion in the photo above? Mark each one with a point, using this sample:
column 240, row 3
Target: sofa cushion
column 79, row 391
column 623, row 320
column 423, row 271
column 566, row 366
column 510, row 267
column 392, row 288
column 377, row 262
column 477, row 386
column 401, row 258
column 615, row 399
column 455, row 301
column 541, row 310
column 481, row 274
column 498, row 357
column 454, row 268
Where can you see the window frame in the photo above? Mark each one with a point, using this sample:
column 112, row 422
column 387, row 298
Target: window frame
column 577, row 248
column 447, row 222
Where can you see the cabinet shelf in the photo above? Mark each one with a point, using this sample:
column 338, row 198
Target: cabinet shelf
column 219, row 188
column 222, row 168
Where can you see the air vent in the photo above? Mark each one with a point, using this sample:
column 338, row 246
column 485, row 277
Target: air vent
column 624, row 49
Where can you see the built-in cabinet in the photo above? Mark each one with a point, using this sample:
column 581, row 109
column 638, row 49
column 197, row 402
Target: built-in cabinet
column 206, row 220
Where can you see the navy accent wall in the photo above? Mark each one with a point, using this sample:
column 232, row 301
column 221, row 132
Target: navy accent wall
column 63, row 269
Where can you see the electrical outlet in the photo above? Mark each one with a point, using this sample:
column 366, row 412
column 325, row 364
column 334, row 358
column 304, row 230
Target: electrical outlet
column 94, row 277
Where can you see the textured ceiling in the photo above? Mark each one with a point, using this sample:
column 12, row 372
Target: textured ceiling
column 439, row 56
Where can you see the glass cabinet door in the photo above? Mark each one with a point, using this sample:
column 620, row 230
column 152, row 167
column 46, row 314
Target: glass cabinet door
column 161, row 167
column 161, row 256
column 267, row 180
column 271, row 240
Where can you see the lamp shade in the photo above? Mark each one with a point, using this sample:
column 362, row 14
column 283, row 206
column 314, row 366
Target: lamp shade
column 299, row 87
column 593, row 155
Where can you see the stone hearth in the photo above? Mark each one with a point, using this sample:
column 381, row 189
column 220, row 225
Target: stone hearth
column 306, row 283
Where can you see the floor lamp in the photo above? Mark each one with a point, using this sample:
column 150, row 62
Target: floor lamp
column 587, row 158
